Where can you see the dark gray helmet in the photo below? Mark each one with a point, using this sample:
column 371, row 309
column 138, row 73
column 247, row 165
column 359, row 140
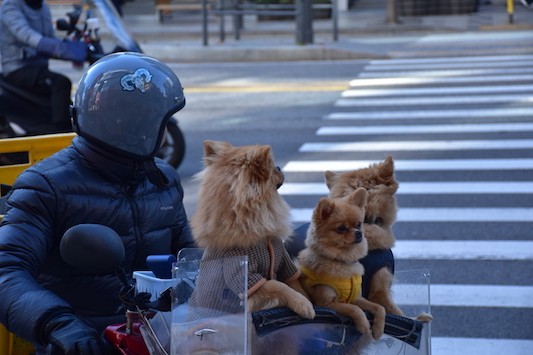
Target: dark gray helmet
column 124, row 102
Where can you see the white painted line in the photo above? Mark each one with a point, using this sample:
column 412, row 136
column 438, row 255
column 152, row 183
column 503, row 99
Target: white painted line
column 445, row 73
column 441, row 80
column 412, row 165
column 388, row 146
column 437, row 90
column 464, row 250
column 465, row 214
column 474, row 346
column 425, row 114
column 498, row 296
column 442, row 65
column 468, row 59
column 443, row 214
column 433, row 188
column 414, row 129
column 490, row 36
column 441, row 100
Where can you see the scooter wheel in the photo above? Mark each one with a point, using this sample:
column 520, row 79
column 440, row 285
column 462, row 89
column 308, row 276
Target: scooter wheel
column 173, row 149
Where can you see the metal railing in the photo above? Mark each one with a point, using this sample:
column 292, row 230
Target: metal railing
column 302, row 10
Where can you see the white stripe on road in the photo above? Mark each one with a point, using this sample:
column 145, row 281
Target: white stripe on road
column 412, row 165
column 434, row 188
column 445, row 73
column 499, row 296
column 419, row 114
column 413, row 129
column 444, row 214
column 464, row 250
column 486, row 58
column 442, row 80
column 441, row 65
column 437, row 90
column 470, row 346
column 388, row 146
column 442, row 100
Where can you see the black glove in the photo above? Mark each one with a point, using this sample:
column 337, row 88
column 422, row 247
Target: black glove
column 68, row 335
column 63, row 49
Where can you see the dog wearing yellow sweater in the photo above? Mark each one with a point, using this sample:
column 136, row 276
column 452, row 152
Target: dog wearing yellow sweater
column 331, row 271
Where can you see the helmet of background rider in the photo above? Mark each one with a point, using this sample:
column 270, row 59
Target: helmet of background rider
column 124, row 101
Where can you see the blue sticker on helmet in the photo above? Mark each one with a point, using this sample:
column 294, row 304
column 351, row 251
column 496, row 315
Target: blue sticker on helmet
column 137, row 80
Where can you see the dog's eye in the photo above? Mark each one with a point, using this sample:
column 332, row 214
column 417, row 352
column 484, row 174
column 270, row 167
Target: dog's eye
column 341, row 229
column 358, row 226
column 379, row 221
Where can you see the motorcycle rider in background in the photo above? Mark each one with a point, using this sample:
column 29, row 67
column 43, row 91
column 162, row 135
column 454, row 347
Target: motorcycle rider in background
column 110, row 176
column 27, row 41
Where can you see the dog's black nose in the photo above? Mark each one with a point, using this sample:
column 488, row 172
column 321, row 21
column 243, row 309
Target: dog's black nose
column 358, row 236
column 282, row 178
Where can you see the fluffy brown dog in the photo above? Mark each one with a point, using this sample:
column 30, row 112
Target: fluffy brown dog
column 380, row 214
column 240, row 212
column 332, row 273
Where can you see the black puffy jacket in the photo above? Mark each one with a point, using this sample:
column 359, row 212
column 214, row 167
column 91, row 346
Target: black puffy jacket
column 80, row 184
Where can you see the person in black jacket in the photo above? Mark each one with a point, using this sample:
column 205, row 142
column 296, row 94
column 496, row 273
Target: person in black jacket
column 110, row 176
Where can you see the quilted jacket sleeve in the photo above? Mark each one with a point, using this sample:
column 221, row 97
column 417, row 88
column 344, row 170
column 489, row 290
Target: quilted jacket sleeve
column 24, row 243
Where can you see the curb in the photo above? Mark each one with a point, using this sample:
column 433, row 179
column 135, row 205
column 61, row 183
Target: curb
column 189, row 54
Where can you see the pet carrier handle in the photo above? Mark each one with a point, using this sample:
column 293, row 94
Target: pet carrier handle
column 402, row 328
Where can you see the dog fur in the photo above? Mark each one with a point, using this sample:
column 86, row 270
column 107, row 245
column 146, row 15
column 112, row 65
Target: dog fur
column 381, row 211
column 240, row 212
column 331, row 271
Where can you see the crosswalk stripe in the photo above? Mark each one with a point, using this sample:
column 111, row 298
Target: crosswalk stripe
column 452, row 295
column 463, row 250
column 462, row 346
column 441, row 65
column 418, row 145
column 445, row 73
column 412, row 165
column 485, row 58
column 444, row 214
column 523, row 112
column 437, row 128
column 442, row 100
column 436, row 90
column 431, row 188
column 390, row 81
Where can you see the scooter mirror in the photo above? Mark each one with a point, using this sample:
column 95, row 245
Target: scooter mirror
column 92, row 247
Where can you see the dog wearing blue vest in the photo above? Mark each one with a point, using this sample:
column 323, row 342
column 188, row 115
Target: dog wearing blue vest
column 380, row 215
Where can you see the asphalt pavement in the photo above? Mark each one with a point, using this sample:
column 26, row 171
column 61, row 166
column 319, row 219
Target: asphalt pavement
column 179, row 37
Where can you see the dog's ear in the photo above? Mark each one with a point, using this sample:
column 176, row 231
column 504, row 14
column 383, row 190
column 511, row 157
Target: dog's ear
column 260, row 162
column 330, row 178
column 323, row 210
column 359, row 197
column 213, row 149
column 386, row 172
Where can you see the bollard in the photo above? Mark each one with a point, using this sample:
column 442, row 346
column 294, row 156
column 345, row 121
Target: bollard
column 304, row 21
column 510, row 10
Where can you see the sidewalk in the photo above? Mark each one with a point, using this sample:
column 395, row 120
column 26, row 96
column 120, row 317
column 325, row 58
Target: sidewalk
column 180, row 37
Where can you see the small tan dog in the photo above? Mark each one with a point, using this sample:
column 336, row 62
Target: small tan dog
column 331, row 271
column 380, row 214
column 240, row 212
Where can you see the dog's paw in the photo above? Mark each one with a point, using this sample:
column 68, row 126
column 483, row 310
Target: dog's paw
column 303, row 307
column 363, row 326
column 424, row 317
column 378, row 324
